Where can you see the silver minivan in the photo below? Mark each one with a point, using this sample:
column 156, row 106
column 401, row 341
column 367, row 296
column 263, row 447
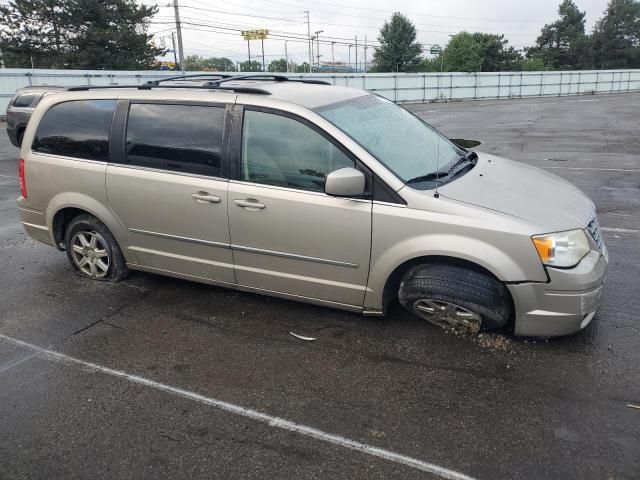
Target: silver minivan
column 311, row 192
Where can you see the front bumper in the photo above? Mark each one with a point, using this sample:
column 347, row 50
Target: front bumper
column 564, row 305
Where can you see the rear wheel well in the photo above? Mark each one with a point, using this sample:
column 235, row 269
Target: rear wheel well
column 60, row 222
column 392, row 285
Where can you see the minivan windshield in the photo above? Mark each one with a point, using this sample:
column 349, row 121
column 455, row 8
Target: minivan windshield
column 405, row 144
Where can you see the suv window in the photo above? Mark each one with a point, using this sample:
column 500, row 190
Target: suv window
column 78, row 128
column 24, row 100
column 181, row 138
column 277, row 150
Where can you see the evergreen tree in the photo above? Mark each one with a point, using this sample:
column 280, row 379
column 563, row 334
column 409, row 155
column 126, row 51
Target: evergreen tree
column 563, row 44
column 616, row 36
column 92, row 34
column 398, row 51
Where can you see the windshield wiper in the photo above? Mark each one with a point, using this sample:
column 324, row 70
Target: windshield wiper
column 428, row 177
column 469, row 158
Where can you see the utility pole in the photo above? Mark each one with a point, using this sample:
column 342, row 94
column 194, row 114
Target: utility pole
column 349, row 62
column 356, row 54
column 286, row 56
column 176, row 10
column 312, row 55
column 309, row 36
column 365, row 54
column 262, row 41
column 333, row 57
column 175, row 54
column 249, row 53
column 318, row 46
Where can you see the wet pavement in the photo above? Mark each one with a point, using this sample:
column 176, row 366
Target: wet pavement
column 145, row 363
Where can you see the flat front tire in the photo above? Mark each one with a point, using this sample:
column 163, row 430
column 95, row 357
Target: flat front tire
column 93, row 251
column 455, row 298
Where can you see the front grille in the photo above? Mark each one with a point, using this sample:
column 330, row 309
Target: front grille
column 594, row 229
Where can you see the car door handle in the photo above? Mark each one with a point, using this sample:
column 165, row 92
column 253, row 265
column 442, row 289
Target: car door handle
column 250, row 203
column 204, row 197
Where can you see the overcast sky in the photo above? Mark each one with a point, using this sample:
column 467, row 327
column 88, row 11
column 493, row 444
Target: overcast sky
column 211, row 28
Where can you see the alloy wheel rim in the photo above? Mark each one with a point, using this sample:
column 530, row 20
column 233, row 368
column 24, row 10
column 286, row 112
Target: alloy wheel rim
column 90, row 253
column 448, row 315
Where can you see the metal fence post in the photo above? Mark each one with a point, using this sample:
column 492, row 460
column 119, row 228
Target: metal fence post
column 29, row 77
column 613, row 79
column 560, row 89
column 541, row 83
column 579, row 80
column 424, row 87
column 451, row 86
column 597, row 78
column 521, row 80
column 499, row 81
column 628, row 80
column 395, row 87
column 475, row 87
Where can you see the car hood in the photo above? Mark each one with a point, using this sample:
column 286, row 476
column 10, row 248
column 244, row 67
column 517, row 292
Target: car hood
column 523, row 191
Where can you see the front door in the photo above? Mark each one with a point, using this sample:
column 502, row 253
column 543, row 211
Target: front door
column 287, row 235
column 170, row 191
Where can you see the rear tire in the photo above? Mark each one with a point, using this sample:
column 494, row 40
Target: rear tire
column 93, row 251
column 455, row 298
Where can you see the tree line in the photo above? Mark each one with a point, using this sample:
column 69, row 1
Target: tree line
column 561, row 45
column 113, row 34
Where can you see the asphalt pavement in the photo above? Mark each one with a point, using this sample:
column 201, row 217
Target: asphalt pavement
column 161, row 378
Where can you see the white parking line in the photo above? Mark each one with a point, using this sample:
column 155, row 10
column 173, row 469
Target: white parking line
column 619, row 230
column 595, row 168
column 276, row 422
column 9, row 176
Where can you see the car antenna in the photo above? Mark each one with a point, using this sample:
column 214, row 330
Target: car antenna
column 436, row 194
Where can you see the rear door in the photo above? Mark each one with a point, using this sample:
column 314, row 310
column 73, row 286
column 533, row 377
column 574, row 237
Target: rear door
column 287, row 235
column 169, row 187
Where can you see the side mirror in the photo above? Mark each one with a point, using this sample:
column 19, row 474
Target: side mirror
column 345, row 182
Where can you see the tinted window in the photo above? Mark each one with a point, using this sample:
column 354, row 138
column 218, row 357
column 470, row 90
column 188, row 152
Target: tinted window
column 277, row 150
column 79, row 128
column 183, row 138
column 24, row 100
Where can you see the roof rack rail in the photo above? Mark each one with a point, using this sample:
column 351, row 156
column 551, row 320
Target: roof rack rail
column 188, row 77
column 208, row 86
column 277, row 78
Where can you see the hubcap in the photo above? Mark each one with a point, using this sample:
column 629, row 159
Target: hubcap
column 90, row 253
column 448, row 315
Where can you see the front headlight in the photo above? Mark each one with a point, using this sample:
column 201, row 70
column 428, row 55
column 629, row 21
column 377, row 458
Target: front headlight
column 563, row 249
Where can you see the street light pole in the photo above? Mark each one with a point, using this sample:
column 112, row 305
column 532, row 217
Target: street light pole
column 333, row 57
column 286, row 55
column 310, row 42
column 356, row 54
column 318, row 46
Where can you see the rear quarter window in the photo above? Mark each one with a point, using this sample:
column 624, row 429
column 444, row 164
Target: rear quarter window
column 78, row 129
column 24, row 100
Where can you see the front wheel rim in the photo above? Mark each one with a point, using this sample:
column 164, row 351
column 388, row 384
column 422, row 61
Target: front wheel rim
column 448, row 315
column 90, row 253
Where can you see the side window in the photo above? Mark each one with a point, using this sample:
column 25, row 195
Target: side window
column 281, row 151
column 79, row 128
column 181, row 138
column 24, row 100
